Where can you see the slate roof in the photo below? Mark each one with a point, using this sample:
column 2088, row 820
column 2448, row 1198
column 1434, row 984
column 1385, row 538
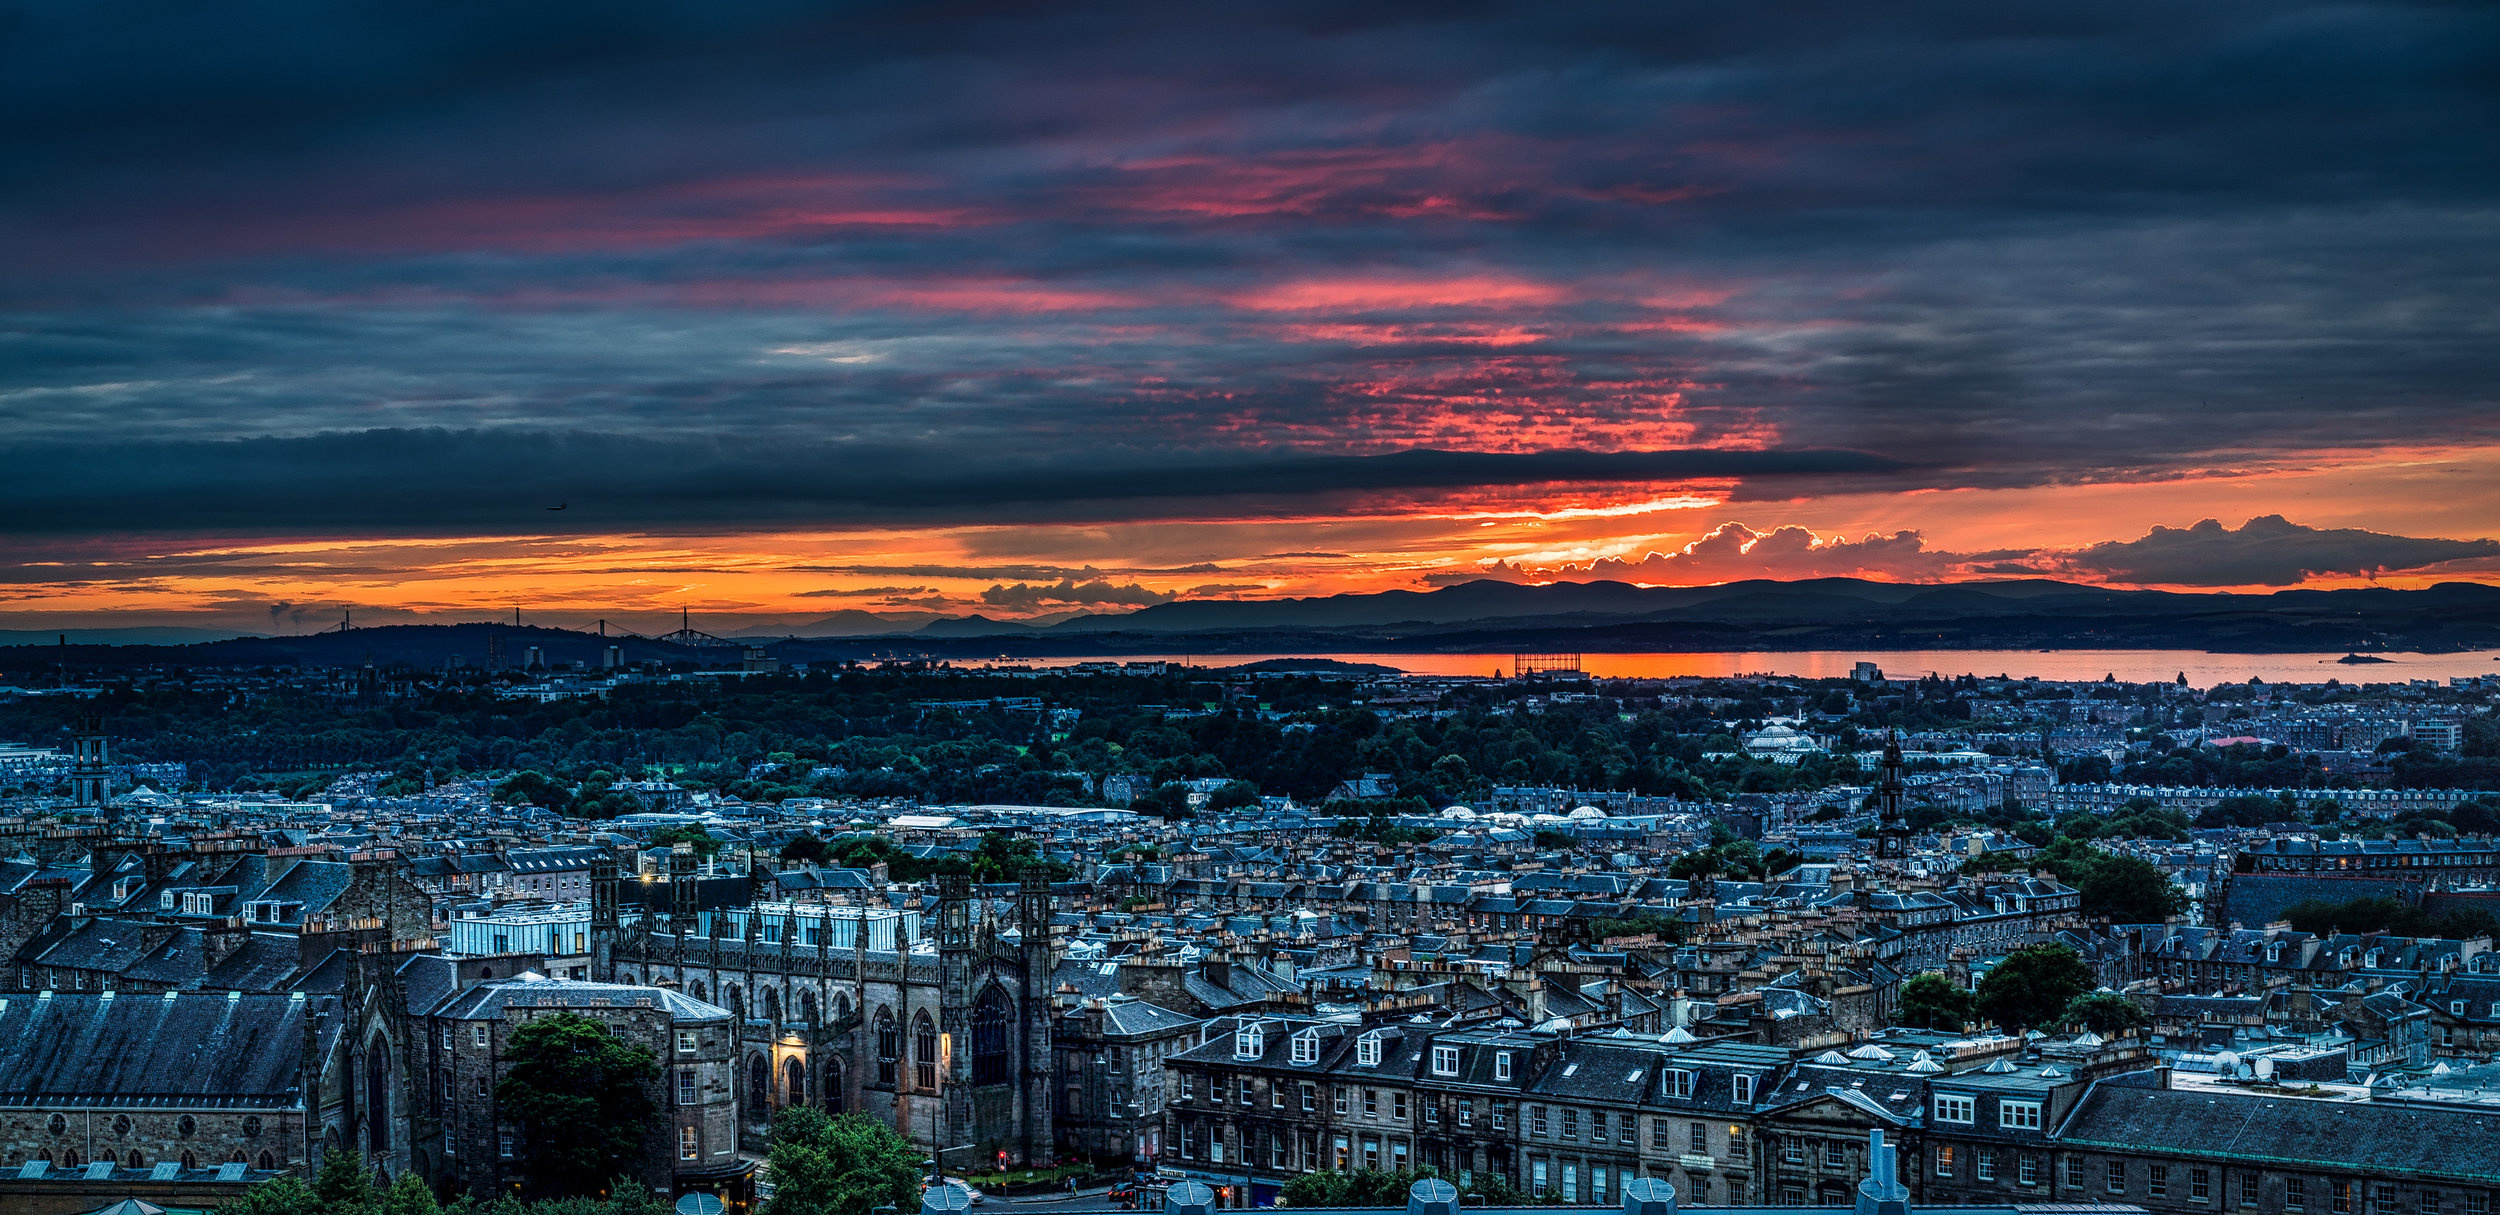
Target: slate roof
column 2425, row 1141
column 203, row 1047
column 487, row 1001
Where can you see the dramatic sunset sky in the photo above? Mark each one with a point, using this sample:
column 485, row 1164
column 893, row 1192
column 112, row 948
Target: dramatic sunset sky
column 1027, row 309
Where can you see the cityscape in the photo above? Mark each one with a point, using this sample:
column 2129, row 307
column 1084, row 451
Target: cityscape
column 778, row 608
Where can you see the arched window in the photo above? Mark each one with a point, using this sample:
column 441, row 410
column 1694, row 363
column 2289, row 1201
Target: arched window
column 378, row 1097
column 924, row 1048
column 989, row 1038
column 794, row 1081
column 108, row 1157
column 841, row 1006
column 484, row 973
column 772, row 1005
column 807, row 1008
column 696, row 990
column 190, row 1161
column 759, row 1085
column 70, row 1160
column 268, row 1161
column 831, row 1083
column 889, row 1048
column 238, row 1157
column 737, row 1002
column 137, row 1161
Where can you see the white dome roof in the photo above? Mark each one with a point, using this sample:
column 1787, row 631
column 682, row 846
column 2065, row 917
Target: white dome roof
column 1458, row 812
column 1586, row 812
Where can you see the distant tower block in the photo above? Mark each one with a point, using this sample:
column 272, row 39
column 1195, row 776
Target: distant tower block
column 613, row 658
column 494, row 652
column 90, row 775
column 1524, row 665
column 537, row 658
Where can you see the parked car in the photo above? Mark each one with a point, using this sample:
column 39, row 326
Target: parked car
column 972, row 1194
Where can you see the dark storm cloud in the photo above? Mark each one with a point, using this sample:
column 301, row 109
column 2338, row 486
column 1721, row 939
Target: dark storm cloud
column 303, row 267
column 490, row 481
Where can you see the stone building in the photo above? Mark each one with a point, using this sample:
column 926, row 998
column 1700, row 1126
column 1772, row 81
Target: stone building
column 837, row 1006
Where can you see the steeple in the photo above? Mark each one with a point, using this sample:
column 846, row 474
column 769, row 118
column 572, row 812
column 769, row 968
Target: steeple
column 1892, row 832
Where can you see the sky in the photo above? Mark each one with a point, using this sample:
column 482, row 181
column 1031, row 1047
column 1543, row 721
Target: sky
column 768, row 311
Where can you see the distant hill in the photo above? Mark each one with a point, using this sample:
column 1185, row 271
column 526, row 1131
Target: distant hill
column 1477, row 617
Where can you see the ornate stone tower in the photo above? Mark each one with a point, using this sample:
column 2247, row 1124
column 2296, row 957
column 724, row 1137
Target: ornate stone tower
column 90, row 774
column 955, row 994
column 684, row 898
column 1033, row 1005
column 603, row 891
column 1892, row 832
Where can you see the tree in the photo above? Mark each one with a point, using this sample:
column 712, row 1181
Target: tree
column 2129, row 890
column 1931, row 1001
column 282, row 1195
column 839, row 1165
column 2033, row 985
column 806, row 846
column 2103, row 1012
column 534, row 788
column 341, row 1183
column 582, row 1098
column 689, row 833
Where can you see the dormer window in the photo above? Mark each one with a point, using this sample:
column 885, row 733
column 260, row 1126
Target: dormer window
column 1744, row 1089
column 1367, row 1050
column 165, row 901
column 1306, row 1046
column 1445, row 1060
column 1501, row 1065
column 1248, row 1042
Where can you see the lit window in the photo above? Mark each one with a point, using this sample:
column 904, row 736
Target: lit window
column 689, row 1144
column 1944, row 1160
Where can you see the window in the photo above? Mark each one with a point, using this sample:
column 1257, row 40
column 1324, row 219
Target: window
column 1445, row 1060
column 2027, row 1171
column 1397, row 1106
column 1367, row 1050
column 2478, row 1203
column 2295, row 1193
column 1536, row 1121
column 2382, row 1200
column 992, row 1061
column 1698, row 1136
column 2074, row 1172
column 1571, row 1124
column 2117, row 1177
column 1242, row 1089
column 924, row 1052
column 1792, row 1150
column 685, row 1086
column 1984, row 1164
column 503, row 1143
column 1501, row 1116
column 1744, row 1090
column 2157, row 1180
column 2430, row 1202
column 1371, row 1103
column 1944, row 1160
column 1597, row 1126
column 1597, row 1184
column 1341, row 1099
column 1306, row 1047
column 1536, row 1179
column 2200, row 1185
column 1432, row 1112
column 1248, row 1042
column 1276, row 1151
column 2341, row 1200
column 1679, row 1083
column 1951, row 1108
column 477, row 1034
column 1501, row 1065
column 1343, row 1161
column 1371, row 1153
column 685, row 1041
column 2019, row 1115
column 446, row 1037
column 1466, row 1111
column 689, row 1144
column 1275, row 1095
column 1310, row 1096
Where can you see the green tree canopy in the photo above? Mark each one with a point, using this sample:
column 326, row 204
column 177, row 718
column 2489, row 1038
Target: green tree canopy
column 2103, row 1012
column 583, row 1100
column 1932, row 1001
column 839, row 1165
column 2033, row 985
column 689, row 833
column 808, row 847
